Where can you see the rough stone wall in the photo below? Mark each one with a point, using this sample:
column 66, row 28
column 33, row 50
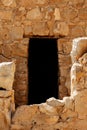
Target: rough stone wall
column 67, row 114
column 7, row 105
column 22, row 19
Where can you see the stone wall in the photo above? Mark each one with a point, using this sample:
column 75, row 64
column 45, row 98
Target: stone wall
column 7, row 105
column 20, row 20
column 67, row 114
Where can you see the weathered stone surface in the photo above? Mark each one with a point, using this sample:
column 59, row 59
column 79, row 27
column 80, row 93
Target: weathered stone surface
column 68, row 115
column 17, row 33
column 47, row 109
column 83, row 14
column 61, row 28
column 40, row 28
column 34, row 14
column 80, row 104
column 7, row 70
column 69, row 103
column 79, row 47
column 6, row 15
column 6, row 94
column 77, row 79
column 7, row 2
column 55, row 103
column 57, row 14
column 6, row 109
column 29, row 113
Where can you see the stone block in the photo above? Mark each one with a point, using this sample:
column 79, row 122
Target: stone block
column 34, row 14
column 40, row 28
column 61, row 28
column 81, row 104
column 7, row 70
column 79, row 47
column 7, row 2
column 16, row 33
column 47, row 109
column 6, row 15
column 57, row 14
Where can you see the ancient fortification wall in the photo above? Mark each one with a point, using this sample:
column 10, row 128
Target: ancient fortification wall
column 22, row 19
column 67, row 114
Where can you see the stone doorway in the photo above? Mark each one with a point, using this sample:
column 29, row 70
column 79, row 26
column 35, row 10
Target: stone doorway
column 43, row 70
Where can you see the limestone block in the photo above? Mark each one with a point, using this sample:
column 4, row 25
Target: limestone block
column 47, row 109
column 34, row 14
column 81, row 104
column 6, row 108
column 77, row 78
column 57, row 14
column 7, row 2
column 17, row 127
column 46, row 119
column 69, row 13
column 83, row 14
column 6, row 15
column 27, row 30
column 68, row 115
column 21, row 48
column 79, row 47
column 77, row 31
column 55, row 102
column 61, row 28
column 40, row 28
column 26, row 118
column 69, row 103
column 4, row 125
column 41, row 2
column 16, row 33
column 7, row 70
column 6, row 94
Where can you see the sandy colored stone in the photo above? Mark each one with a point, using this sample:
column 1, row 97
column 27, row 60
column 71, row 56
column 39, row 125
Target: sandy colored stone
column 55, row 102
column 47, row 109
column 7, row 2
column 29, row 113
column 7, row 70
column 79, row 47
column 3, row 122
column 61, row 28
column 57, row 14
column 77, row 79
column 68, row 115
column 27, row 30
column 21, row 48
column 16, row 33
column 5, row 94
column 40, row 28
column 17, row 127
column 6, row 15
column 80, row 104
column 69, row 103
column 34, row 14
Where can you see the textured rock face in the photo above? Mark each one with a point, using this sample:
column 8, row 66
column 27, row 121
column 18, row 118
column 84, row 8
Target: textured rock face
column 79, row 48
column 7, row 2
column 7, row 70
column 22, row 19
column 67, row 114
column 7, row 107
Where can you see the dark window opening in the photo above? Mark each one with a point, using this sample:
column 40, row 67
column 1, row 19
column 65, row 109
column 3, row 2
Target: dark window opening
column 2, row 88
column 43, row 70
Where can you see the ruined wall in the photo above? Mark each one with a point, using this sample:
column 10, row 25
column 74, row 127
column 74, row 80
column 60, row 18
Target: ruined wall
column 67, row 114
column 22, row 19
